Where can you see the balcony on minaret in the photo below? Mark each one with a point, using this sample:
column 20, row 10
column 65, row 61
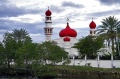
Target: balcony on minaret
column 92, row 32
column 48, row 19
column 48, row 30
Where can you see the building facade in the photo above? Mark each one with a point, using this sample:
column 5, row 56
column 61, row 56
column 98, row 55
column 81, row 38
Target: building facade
column 67, row 35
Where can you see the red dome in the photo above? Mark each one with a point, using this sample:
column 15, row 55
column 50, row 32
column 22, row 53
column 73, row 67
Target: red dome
column 92, row 25
column 48, row 13
column 66, row 39
column 68, row 32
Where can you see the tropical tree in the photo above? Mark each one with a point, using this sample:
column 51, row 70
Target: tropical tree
column 2, row 55
column 11, row 42
column 52, row 52
column 9, row 48
column 89, row 46
column 26, row 55
column 109, row 30
column 21, row 35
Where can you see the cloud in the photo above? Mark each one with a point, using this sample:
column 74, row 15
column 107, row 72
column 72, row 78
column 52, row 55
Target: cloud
column 37, row 37
column 56, row 9
column 3, row 1
column 71, row 4
column 105, row 13
column 10, row 10
column 82, row 32
column 10, row 25
column 110, row 2
column 5, row 24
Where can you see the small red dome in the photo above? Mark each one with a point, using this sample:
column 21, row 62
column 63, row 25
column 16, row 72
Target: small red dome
column 92, row 25
column 66, row 39
column 48, row 12
column 68, row 32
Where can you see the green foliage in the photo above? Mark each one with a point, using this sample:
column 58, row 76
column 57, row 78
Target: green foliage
column 26, row 54
column 51, row 51
column 2, row 55
column 45, row 71
column 89, row 45
column 82, row 72
column 70, row 72
column 9, row 48
column 17, row 47
column 21, row 35
column 109, row 30
column 10, row 44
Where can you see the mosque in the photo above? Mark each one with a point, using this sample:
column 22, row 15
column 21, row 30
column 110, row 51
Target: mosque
column 68, row 38
column 67, row 35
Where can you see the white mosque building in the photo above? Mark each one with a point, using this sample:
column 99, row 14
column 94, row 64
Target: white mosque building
column 68, row 39
column 67, row 35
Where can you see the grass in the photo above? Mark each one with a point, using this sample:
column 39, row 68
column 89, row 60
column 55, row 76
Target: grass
column 85, row 72
column 87, row 68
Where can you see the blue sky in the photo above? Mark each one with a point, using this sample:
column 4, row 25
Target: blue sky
column 30, row 15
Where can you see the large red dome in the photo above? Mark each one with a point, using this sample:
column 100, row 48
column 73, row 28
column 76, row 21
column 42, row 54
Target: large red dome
column 92, row 25
column 48, row 12
column 66, row 39
column 68, row 32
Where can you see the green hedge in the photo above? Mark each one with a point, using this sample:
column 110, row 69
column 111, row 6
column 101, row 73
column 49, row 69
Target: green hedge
column 70, row 72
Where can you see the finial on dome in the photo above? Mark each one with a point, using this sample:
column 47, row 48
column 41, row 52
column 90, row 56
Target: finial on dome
column 67, row 20
column 92, row 19
column 48, row 7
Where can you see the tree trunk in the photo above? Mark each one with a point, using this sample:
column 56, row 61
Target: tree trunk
column 112, row 53
column 8, row 63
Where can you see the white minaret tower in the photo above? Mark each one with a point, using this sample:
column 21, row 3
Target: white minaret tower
column 92, row 26
column 48, row 29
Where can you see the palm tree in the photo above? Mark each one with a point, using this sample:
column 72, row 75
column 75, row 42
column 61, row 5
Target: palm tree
column 108, row 30
column 21, row 35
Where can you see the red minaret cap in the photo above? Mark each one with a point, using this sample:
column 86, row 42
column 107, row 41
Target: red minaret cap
column 48, row 12
column 92, row 25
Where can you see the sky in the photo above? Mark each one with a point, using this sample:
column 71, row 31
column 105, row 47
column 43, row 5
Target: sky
column 30, row 15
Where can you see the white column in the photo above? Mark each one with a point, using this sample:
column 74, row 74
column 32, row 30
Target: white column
column 73, row 59
column 98, row 60
column 67, row 47
column 111, row 60
column 85, row 59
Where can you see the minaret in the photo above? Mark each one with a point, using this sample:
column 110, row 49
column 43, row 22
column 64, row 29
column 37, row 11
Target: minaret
column 92, row 26
column 48, row 29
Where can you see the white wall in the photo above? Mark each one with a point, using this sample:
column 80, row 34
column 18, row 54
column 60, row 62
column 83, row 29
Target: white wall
column 94, row 63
